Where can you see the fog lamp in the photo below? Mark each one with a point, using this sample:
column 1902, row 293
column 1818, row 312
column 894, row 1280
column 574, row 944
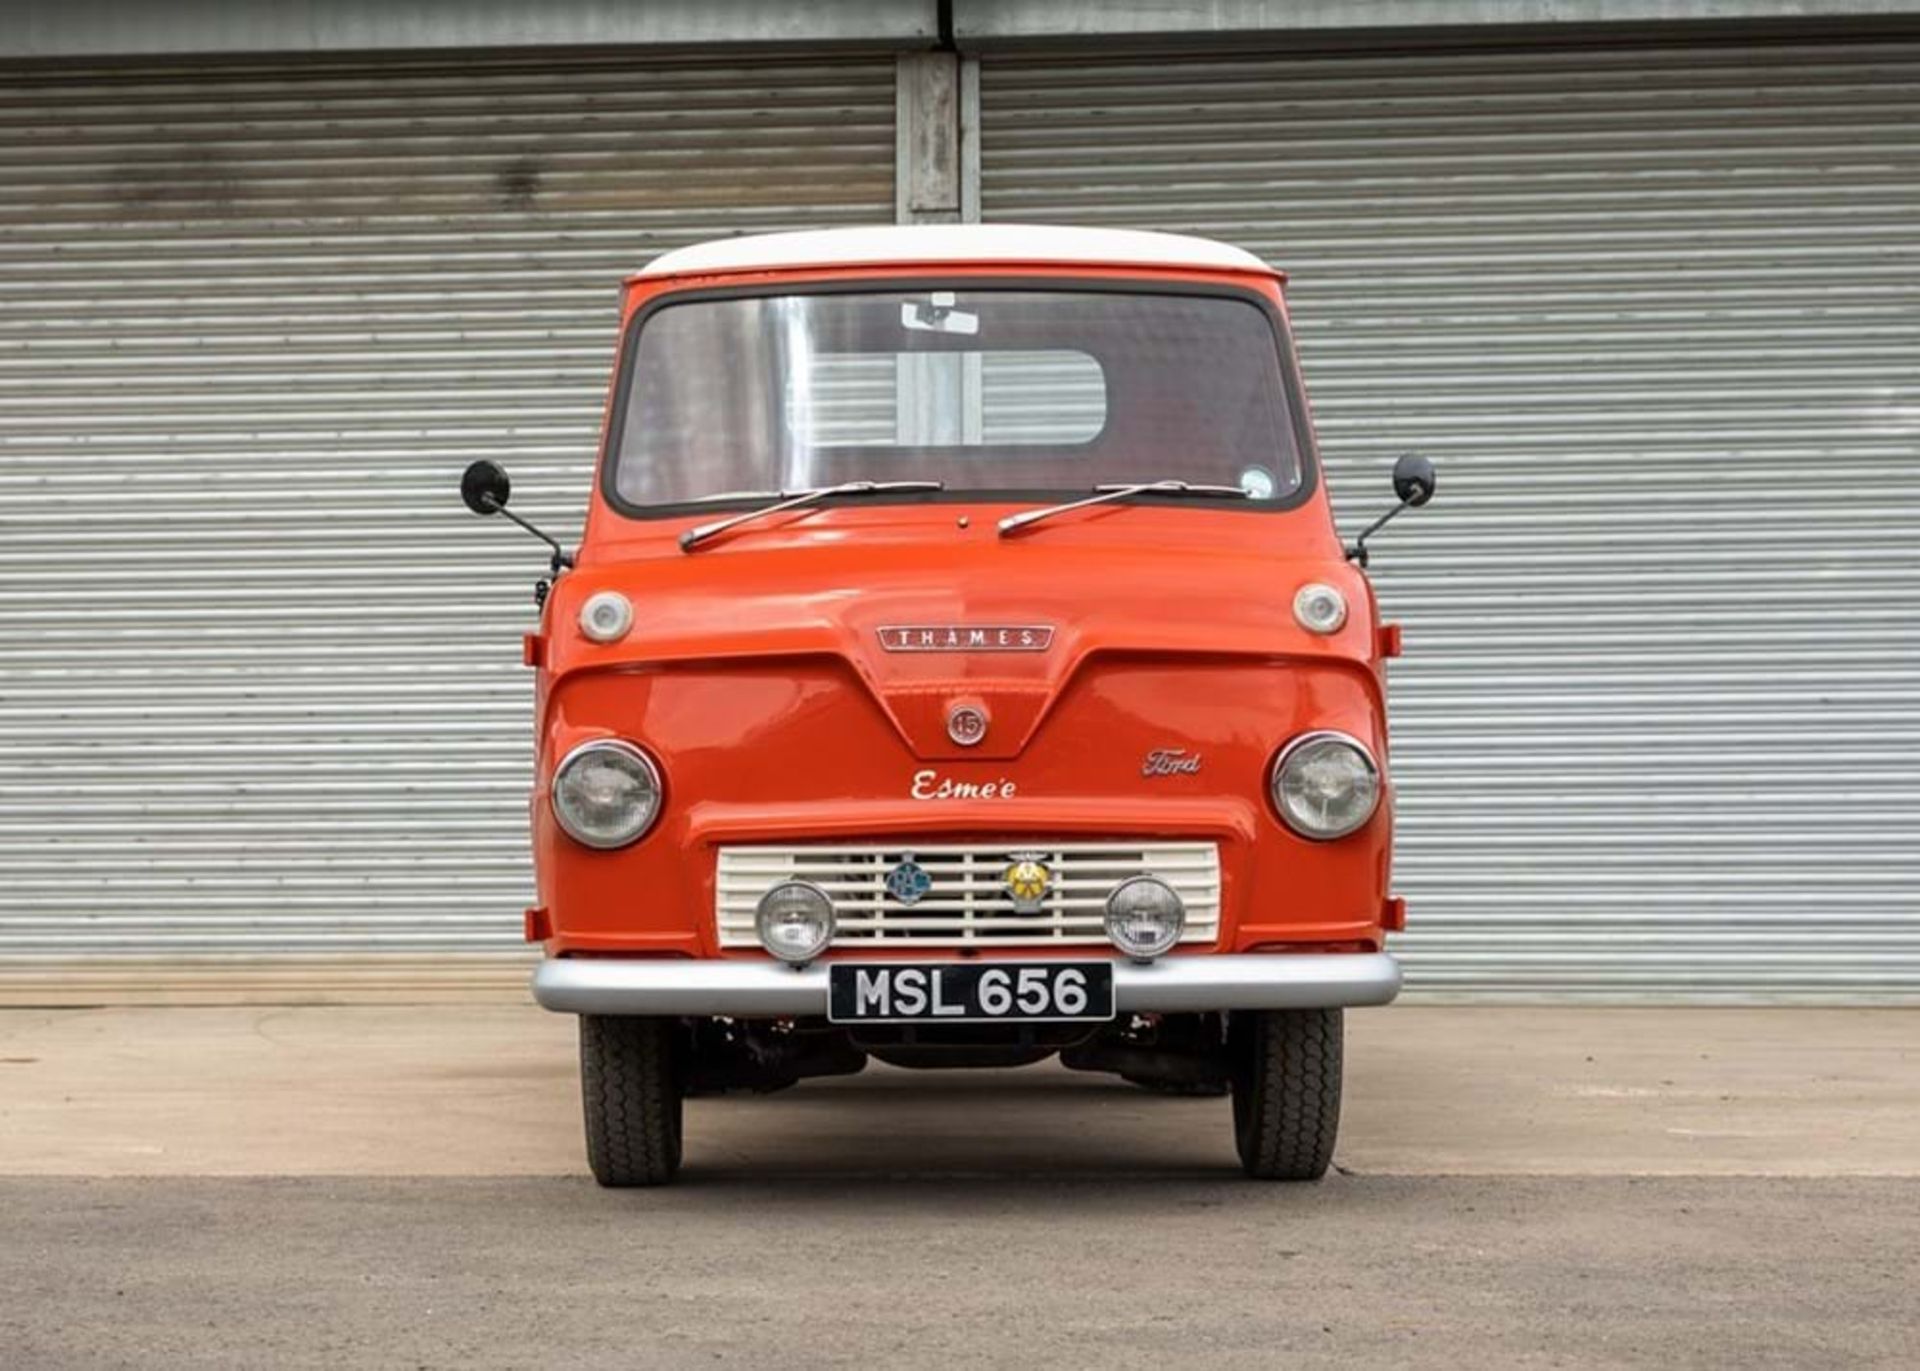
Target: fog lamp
column 1144, row 917
column 795, row 921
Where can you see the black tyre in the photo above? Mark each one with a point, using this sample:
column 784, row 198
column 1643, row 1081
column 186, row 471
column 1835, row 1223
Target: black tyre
column 1286, row 1091
column 631, row 1084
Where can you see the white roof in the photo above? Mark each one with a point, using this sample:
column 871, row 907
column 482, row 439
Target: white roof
column 955, row 243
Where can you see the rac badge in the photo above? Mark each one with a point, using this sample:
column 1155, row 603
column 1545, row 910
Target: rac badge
column 1027, row 882
column 909, row 882
column 966, row 637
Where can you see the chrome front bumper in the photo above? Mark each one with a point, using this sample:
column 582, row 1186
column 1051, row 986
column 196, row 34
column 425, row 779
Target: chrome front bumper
column 755, row 989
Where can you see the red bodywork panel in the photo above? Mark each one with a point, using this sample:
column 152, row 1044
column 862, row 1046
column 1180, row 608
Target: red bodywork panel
column 755, row 673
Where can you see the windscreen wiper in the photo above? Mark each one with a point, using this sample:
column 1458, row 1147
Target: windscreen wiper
column 799, row 499
column 1013, row 523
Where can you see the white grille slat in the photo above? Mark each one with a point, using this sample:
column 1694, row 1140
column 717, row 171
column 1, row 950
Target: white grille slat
column 955, row 893
column 966, row 906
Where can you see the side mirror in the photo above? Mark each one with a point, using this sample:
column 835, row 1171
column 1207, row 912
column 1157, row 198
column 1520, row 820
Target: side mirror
column 1413, row 480
column 485, row 487
column 1413, row 483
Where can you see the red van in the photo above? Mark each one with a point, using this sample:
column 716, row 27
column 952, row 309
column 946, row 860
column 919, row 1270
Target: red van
column 960, row 669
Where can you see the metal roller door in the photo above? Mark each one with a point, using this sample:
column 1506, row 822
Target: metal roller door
column 260, row 696
column 1655, row 310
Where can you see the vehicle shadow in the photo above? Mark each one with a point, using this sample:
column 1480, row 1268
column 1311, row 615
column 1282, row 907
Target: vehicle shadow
column 903, row 1127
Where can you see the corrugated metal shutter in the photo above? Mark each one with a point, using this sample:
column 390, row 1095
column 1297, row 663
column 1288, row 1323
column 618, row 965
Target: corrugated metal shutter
column 260, row 689
column 1656, row 312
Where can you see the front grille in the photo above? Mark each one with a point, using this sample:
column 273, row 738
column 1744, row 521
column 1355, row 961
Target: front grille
column 966, row 904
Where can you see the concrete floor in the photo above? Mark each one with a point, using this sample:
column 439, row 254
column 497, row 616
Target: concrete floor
column 1026, row 1270
column 376, row 1187
column 491, row 1090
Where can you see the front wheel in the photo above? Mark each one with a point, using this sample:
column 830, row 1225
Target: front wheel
column 631, row 1083
column 1286, row 1091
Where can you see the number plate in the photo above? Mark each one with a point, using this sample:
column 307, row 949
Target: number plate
column 967, row 992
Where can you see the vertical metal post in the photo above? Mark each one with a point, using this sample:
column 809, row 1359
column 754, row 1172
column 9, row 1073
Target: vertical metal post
column 969, row 140
column 928, row 138
column 937, row 181
column 936, row 138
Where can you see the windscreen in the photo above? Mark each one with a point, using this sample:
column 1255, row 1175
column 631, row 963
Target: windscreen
column 989, row 391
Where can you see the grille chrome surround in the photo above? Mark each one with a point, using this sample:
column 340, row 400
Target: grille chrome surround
column 965, row 906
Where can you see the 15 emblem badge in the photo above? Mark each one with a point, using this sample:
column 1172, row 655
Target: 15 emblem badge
column 967, row 723
column 909, row 882
column 1027, row 882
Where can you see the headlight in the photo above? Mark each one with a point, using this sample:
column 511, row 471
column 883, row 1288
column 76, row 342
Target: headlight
column 606, row 793
column 1144, row 917
column 606, row 616
column 1325, row 785
column 1320, row 608
column 795, row 921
